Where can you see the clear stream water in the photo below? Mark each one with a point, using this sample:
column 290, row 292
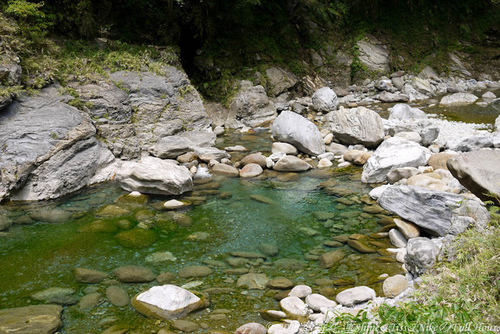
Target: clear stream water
column 224, row 218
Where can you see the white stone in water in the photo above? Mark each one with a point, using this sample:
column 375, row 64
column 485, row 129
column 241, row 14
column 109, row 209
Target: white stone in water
column 356, row 295
column 173, row 204
column 397, row 238
column 291, row 327
column 269, row 163
column 160, row 257
column 135, row 194
column 344, row 164
column 294, row 307
column 316, row 302
column 301, row 291
column 324, row 163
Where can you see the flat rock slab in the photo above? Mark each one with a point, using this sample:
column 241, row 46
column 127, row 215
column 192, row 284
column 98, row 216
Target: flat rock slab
column 155, row 176
column 437, row 212
column 40, row 319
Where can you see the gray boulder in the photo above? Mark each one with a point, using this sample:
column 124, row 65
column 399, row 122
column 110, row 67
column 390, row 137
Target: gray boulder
column 47, row 148
column 279, row 80
column 298, row 131
column 154, row 176
column 374, row 56
column 356, row 126
column 171, row 147
column 423, row 86
column 421, row 255
column 426, row 129
column 357, row 295
column 458, row 98
column 250, row 107
column 437, row 212
column 393, row 153
column 167, row 302
column 472, row 143
column 40, row 319
column 478, row 171
column 392, row 97
column 403, row 112
column 413, row 94
column 325, row 100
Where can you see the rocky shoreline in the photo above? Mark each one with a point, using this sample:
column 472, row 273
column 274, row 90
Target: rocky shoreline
column 152, row 134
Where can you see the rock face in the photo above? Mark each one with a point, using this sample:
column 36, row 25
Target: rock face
column 478, row 171
column 421, row 254
column 393, row 153
column 356, row 126
column 279, row 80
column 325, row 100
column 167, row 302
column 48, row 149
column 356, row 295
column 298, row 131
column 458, row 98
column 42, row 319
column 154, row 176
column 437, row 212
column 250, row 107
column 160, row 105
column 375, row 57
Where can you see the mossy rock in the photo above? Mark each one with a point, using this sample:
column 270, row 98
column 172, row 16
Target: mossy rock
column 137, row 238
column 132, row 201
column 112, row 211
column 99, row 226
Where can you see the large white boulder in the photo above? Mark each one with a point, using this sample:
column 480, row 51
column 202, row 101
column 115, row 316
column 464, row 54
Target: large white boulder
column 357, row 126
column 167, row 302
column 325, row 100
column 155, row 176
column 298, row 131
column 393, row 153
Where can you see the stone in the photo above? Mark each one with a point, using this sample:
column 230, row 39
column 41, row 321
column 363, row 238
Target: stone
column 251, row 328
column 56, row 216
column 421, row 255
column 356, row 126
column 40, row 319
column 195, row 271
column 324, row 100
column 337, row 149
column 294, row 129
column 225, row 170
column 423, row 86
column 208, row 154
column 272, row 315
column 254, row 158
column 438, row 160
column 373, row 55
column 324, row 163
column 408, row 229
column 428, row 181
column 173, row 204
column 279, row 147
column 397, row 174
column 280, row 283
column 171, row 147
column 409, row 135
column 56, row 295
column 290, row 327
column 294, row 307
column 437, row 212
column 250, row 107
column 269, row 249
column 478, row 171
column 83, row 275
column 279, row 80
column 404, row 112
column 165, row 278
column 155, row 176
column 253, row 281
column 160, row 258
column 89, row 301
column 328, row 260
column 323, row 215
column 360, row 246
column 185, row 326
column 397, row 238
column 393, row 153
column 48, row 148
column 316, row 302
column 357, row 295
column 117, row 296
column 291, row 164
column 489, row 96
column 394, row 285
column 392, row 97
column 134, row 274
column 357, row 157
column 137, row 238
column 289, row 264
column 300, row 291
column 5, row 223
column 251, row 170
column 167, row 302
column 458, row 98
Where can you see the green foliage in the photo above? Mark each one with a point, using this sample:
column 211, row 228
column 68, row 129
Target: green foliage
column 32, row 20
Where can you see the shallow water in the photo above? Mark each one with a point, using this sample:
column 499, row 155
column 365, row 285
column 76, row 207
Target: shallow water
column 40, row 255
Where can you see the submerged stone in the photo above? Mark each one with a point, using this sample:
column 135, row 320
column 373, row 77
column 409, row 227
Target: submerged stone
column 137, row 238
column 40, row 319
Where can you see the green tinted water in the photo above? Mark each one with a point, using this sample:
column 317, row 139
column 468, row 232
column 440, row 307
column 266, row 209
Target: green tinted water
column 226, row 219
